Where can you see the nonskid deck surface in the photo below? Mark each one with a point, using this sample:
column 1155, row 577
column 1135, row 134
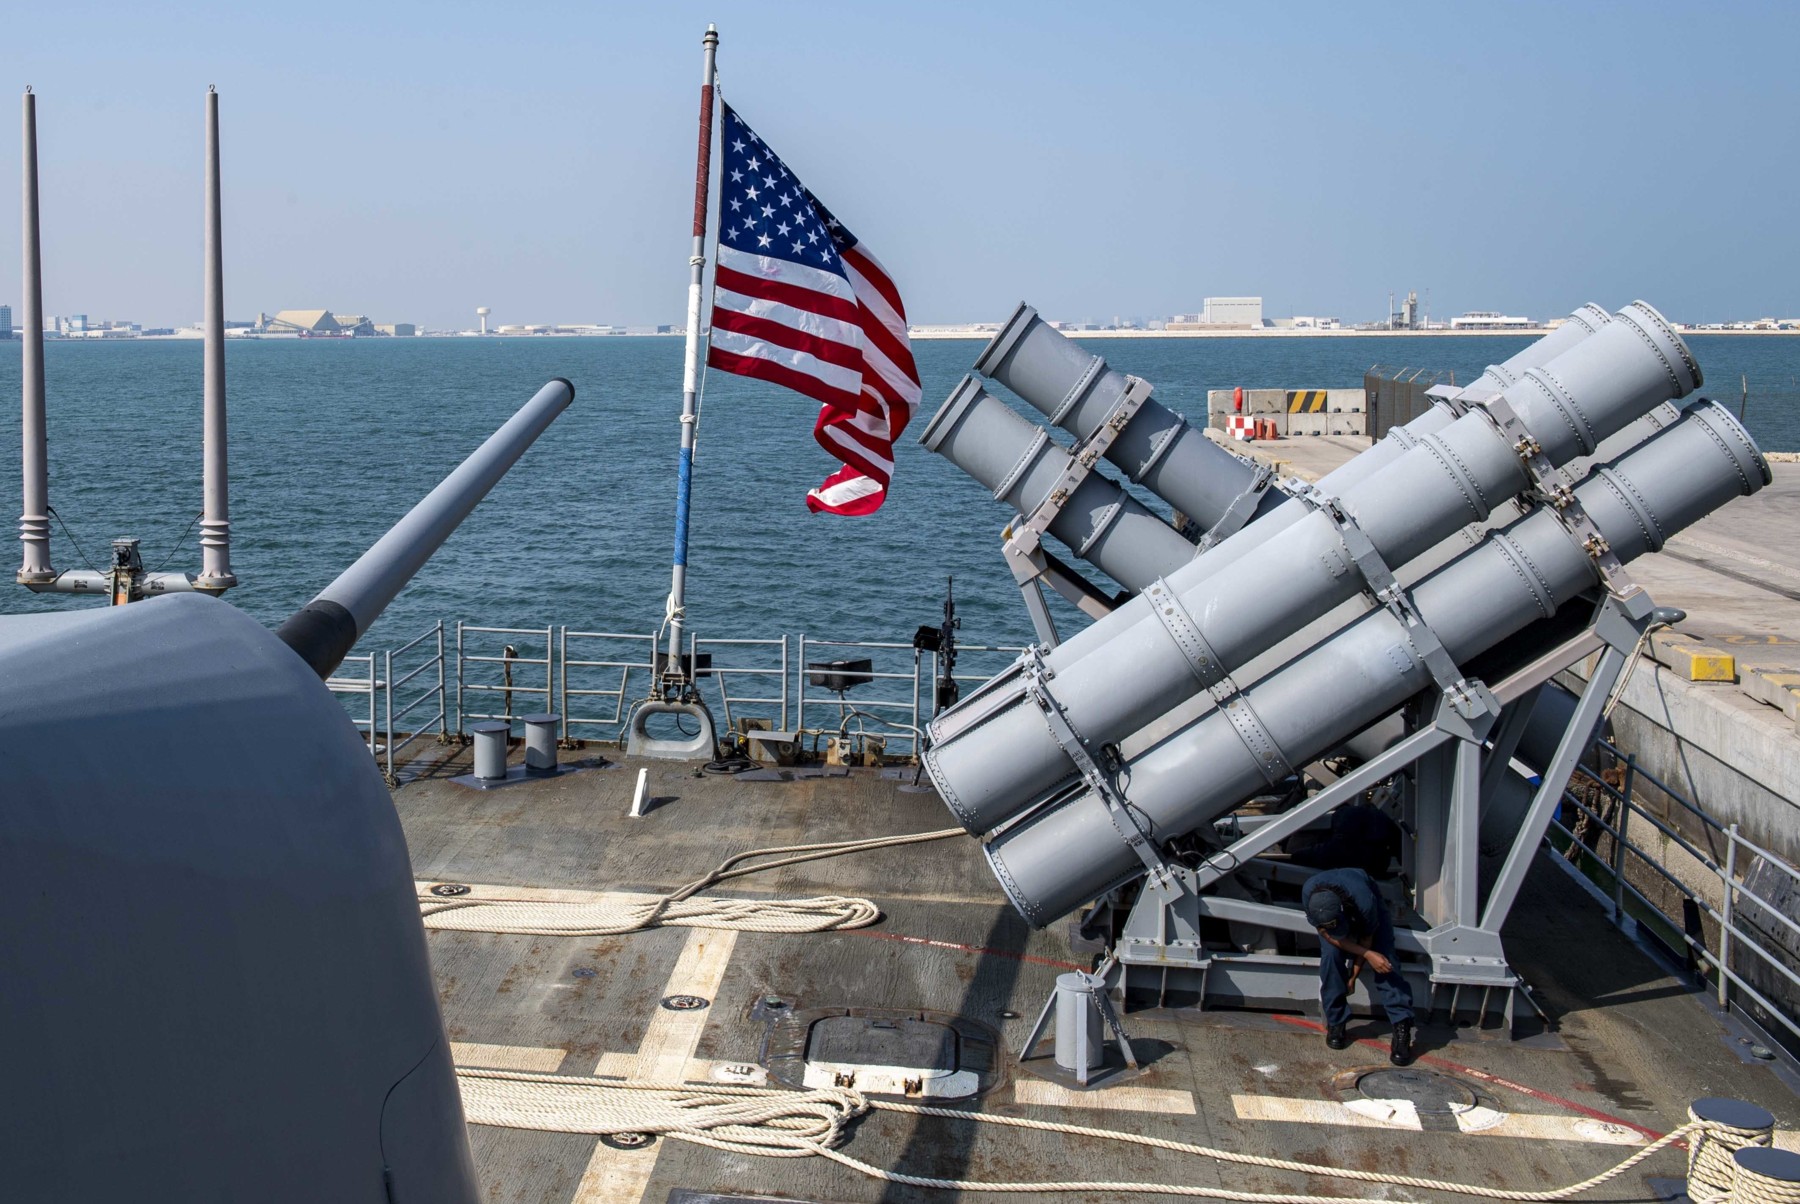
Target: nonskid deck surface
column 1632, row 1045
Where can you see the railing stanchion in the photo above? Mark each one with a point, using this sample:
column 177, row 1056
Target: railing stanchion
column 915, row 707
column 550, row 667
column 443, row 708
column 1619, row 841
column 387, row 694
column 1728, row 877
column 459, row 679
column 374, row 752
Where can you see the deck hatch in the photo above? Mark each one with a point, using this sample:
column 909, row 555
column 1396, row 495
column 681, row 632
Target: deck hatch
column 884, row 1052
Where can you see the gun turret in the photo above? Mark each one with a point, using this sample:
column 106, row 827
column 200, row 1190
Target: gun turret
column 252, row 806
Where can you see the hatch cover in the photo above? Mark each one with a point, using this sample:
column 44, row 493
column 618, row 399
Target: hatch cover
column 1415, row 1098
column 1426, row 1090
column 905, row 1054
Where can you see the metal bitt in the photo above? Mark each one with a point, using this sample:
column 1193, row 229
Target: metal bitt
column 491, row 737
column 1212, row 616
column 34, row 520
column 1070, row 852
column 690, row 373
column 325, row 629
column 540, row 744
column 215, row 520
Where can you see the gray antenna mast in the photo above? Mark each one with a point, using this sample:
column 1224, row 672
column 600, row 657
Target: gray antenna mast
column 125, row 580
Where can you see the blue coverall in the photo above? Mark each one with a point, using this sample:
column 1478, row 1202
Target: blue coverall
column 1366, row 921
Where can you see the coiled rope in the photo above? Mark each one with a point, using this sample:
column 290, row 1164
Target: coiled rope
column 1710, row 1165
column 1764, row 1176
column 684, row 907
column 780, row 1123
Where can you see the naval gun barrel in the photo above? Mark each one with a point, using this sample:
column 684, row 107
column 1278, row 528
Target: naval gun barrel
column 324, row 630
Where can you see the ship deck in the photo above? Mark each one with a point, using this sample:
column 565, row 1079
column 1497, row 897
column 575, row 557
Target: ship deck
column 1630, row 1045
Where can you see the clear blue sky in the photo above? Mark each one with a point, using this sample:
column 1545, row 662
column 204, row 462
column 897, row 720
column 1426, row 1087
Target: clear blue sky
column 413, row 161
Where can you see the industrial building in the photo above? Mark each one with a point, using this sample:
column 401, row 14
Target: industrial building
column 1483, row 319
column 302, row 322
column 319, row 323
column 1222, row 313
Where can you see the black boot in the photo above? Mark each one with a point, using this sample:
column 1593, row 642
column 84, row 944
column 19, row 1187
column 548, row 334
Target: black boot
column 1400, row 1048
column 1336, row 1037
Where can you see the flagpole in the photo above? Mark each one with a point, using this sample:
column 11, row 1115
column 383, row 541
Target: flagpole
column 690, row 376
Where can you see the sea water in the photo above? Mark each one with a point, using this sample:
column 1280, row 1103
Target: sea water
column 332, row 440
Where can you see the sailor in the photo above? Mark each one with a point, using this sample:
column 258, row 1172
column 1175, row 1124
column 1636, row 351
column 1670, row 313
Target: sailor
column 1356, row 931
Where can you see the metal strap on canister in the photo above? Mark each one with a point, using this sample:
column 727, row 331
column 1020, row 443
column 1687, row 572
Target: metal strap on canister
column 1082, row 459
column 1239, row 512
column 1470, row 698
column 1549, row 487
column 1118, row 809
column 1210, row 670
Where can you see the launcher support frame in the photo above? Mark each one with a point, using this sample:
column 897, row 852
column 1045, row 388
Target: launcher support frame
column 1450, row 938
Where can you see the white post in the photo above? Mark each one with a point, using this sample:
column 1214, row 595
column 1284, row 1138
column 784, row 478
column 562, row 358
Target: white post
column 215, row 520
column 34, row 518
column 690, row 376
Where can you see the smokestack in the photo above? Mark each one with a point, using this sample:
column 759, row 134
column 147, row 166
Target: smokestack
column 215, row 519
column 34, row 453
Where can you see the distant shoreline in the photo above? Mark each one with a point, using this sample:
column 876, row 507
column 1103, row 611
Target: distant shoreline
column 1532, row 332
column 926, row 335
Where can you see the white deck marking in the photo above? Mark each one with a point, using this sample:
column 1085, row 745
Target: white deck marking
column 507, row 1057
column 699, row 1070
column 664, row 1056
column 1369, row 1114
column 1115, row 1099
column 1309, row 1112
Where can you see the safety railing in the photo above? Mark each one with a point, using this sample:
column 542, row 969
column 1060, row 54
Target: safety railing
column 1727, row 923
column 604, row 665
column 750, row 678
column 516, row 671
column 888, row 695
column 592, row 679
column 369, row 686
column 428, row 650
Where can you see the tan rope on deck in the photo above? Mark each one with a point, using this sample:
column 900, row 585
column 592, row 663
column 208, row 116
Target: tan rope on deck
column 1749, row 1186
column 684, row 907
column 1710, row 1165
column 781, row 1123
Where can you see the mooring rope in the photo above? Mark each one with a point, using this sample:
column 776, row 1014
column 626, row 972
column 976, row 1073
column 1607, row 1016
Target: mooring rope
column 783, row 1123
column 684, row 907
column 1710, row 1165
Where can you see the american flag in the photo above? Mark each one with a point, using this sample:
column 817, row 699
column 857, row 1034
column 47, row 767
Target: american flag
column 799, row 302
